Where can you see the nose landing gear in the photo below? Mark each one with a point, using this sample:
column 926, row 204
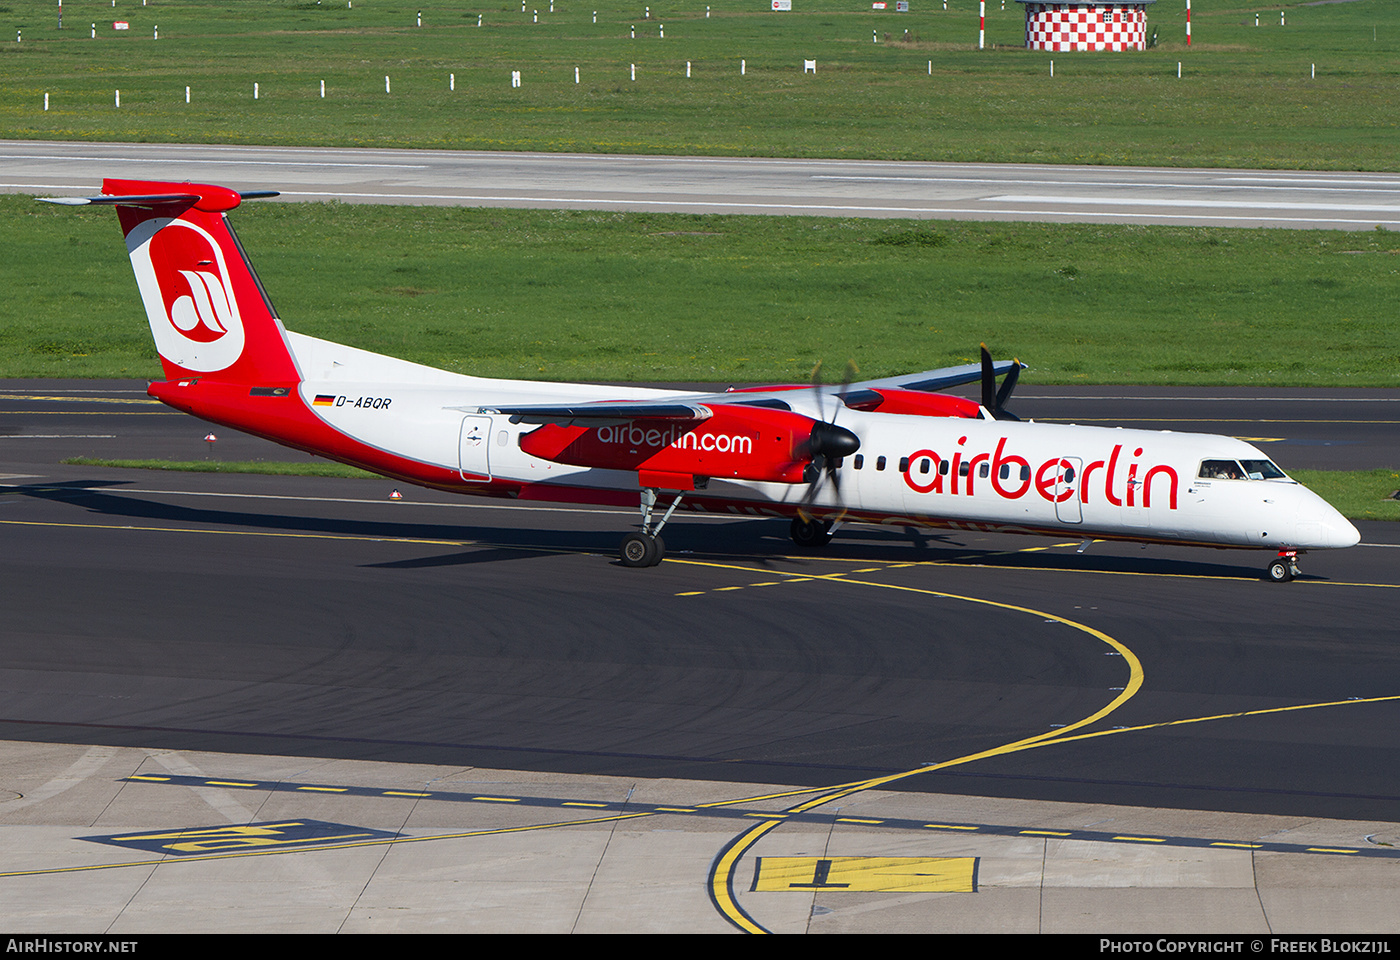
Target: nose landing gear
column 1285, row 568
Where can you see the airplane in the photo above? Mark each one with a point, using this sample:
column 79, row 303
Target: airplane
column 895, row 450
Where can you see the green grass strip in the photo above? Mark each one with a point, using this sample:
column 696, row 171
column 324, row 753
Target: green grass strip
column 266, row 467
column 1318, row 93
column 593, row 296
column 1358, row 494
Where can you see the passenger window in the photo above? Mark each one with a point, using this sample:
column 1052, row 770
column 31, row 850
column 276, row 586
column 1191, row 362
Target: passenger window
column 903, row 464
column 860, row 460
column 1005, row 471
column 879, row 463
column 943, row 468
column 1025, row 473
column 924, row 465
column 984, row 471
column 963, row 468
column 1069, row 475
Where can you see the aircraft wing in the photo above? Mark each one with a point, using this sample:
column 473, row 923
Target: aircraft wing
column 697, row 406
column 597, row 414
column 927, row 381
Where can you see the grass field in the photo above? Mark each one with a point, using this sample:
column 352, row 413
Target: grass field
column 1246, row 98
column 579, row 295
column 1358, row 494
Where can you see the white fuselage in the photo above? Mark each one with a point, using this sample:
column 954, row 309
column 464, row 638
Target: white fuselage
column 1064, row 479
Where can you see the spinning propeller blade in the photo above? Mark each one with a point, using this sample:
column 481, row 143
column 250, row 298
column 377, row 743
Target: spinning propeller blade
column 994, row 400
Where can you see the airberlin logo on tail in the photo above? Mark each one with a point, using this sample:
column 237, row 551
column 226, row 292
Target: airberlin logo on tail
column 206, row 313
column 188, row 293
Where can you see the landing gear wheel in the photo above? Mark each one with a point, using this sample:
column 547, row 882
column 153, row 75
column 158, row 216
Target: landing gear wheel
column 810, row 534
column 1281, row 571
column 641, row 550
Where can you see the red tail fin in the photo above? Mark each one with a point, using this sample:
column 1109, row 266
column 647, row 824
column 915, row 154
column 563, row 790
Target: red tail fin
column 208, row 311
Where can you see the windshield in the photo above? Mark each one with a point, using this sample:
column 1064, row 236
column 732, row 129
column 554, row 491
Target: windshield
column 1262, row 470
column 1240, row 470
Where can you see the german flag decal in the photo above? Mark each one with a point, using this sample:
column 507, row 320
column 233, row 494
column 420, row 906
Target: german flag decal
column 324, row 400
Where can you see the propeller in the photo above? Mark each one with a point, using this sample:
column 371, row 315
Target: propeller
column 994, row 400
column 828, row 442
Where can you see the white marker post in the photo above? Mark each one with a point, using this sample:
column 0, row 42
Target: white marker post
column 119, row 98
column 420, row 18
column 687, row 69
column 452, row 81
column 743, row 67
column 663, row 32
column 1052, row 68
column 595, row 16
column 1178, row 69
column 323, row 89
column 634, row 71
column 255, row 91
column 386, row 83
column 94, row 31
column 46, row 101
column 575, row 76
column 187, row 94
column 478, row 19
column 981, row 24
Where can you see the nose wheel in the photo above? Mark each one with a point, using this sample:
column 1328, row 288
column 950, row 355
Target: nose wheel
column 1285, row 568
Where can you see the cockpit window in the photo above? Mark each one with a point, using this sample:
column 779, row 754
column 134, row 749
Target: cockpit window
column 1220, row 470
column 1262, row 470
column 1240, row 470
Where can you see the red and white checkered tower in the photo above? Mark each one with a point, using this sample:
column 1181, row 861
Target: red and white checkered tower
column 1086, row 26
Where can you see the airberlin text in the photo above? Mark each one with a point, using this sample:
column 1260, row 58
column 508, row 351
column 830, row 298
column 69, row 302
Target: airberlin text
column 1010, row 476
column 634, row 436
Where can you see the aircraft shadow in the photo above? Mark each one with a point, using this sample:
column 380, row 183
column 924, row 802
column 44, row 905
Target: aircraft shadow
column 757, row 541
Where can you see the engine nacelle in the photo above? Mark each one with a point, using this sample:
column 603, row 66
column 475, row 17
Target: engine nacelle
column 916, row 403
column 738, row 442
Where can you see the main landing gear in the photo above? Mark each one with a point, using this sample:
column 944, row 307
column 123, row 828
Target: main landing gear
column 1285, row 568
column 646, row 548
column 810, row 534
